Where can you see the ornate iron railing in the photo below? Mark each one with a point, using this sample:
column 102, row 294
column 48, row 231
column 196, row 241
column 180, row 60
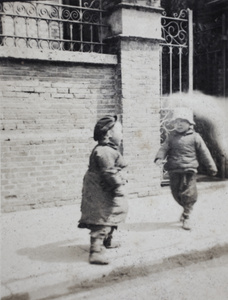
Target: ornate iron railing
column 165, row 124
column 42, row 25
column 174, row 53
column 175, row 29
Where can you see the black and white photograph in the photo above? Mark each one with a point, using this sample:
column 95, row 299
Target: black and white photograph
column 114, row 149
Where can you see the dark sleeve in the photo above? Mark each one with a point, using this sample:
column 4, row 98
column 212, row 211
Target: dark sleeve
column 106, row 159
column 204, row 154
column 162, row 152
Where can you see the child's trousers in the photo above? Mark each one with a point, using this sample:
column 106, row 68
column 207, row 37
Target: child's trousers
column 184, row 190
column 99, row 235
column 101, row 231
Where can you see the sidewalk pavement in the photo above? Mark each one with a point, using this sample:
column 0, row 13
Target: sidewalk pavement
column 45, row 255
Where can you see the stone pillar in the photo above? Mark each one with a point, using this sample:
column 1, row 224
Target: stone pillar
column 135, row 34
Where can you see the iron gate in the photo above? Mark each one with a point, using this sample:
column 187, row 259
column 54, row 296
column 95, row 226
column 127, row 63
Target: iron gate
column 176, row 53
column 176, row 65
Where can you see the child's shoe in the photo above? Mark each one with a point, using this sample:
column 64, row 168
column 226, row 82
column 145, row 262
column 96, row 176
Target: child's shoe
column 97, row 252
column 109, row 244
column 186, row 224
column 98, row 258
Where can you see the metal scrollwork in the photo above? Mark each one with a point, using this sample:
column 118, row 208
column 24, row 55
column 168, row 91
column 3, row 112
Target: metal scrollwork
column 95, row 18
column 183, row 14
column 48, row 12
column 86, row 17
column 174, row 52
column 90, row 17
column 32, row 43
column 165, row 125
column 75, row 15
column 29, row 9
column 66, row 14
column 53, row 26
column 166, row 128
column 93, row 4
column 175, row 29
column 7, row 7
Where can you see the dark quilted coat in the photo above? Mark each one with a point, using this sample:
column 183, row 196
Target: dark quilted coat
column 103, row 196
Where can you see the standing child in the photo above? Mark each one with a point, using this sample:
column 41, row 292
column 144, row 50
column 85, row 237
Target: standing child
column 184, row 148
column 104, row 205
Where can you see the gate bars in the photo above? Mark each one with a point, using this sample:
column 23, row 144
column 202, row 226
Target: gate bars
column 176, row 53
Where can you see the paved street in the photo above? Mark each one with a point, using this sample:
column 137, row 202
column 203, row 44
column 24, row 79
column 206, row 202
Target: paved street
column 202, row 281
column 45, row 255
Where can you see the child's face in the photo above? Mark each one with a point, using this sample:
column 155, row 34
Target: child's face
column 181, row 125
column 116, row 134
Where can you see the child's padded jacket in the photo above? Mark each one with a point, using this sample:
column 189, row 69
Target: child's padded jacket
column 103, row 197
column 184, row 151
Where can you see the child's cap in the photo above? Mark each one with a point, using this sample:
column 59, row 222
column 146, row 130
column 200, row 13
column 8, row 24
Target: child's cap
column 102, row 126
column 183, row 113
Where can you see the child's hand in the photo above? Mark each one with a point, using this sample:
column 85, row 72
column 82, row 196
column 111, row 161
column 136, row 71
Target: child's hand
column 159, row 162
column 124, row 175
column 119, row 192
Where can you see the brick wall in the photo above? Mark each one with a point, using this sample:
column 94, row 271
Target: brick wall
column 49, row 111
column 50, row 108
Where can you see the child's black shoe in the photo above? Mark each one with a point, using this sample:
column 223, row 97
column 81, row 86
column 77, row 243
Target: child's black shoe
column 109, row 244
column 186, row 224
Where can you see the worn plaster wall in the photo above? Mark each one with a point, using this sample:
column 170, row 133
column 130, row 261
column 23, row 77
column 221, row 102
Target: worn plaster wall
column 141, row 104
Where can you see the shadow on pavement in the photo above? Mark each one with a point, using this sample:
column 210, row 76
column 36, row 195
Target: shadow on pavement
column 57, row 252
column 150, row 226
column 24, row 296
column 124, row 273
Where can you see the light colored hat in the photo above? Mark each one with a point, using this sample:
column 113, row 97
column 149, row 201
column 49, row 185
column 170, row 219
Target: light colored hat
column 183, row 113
